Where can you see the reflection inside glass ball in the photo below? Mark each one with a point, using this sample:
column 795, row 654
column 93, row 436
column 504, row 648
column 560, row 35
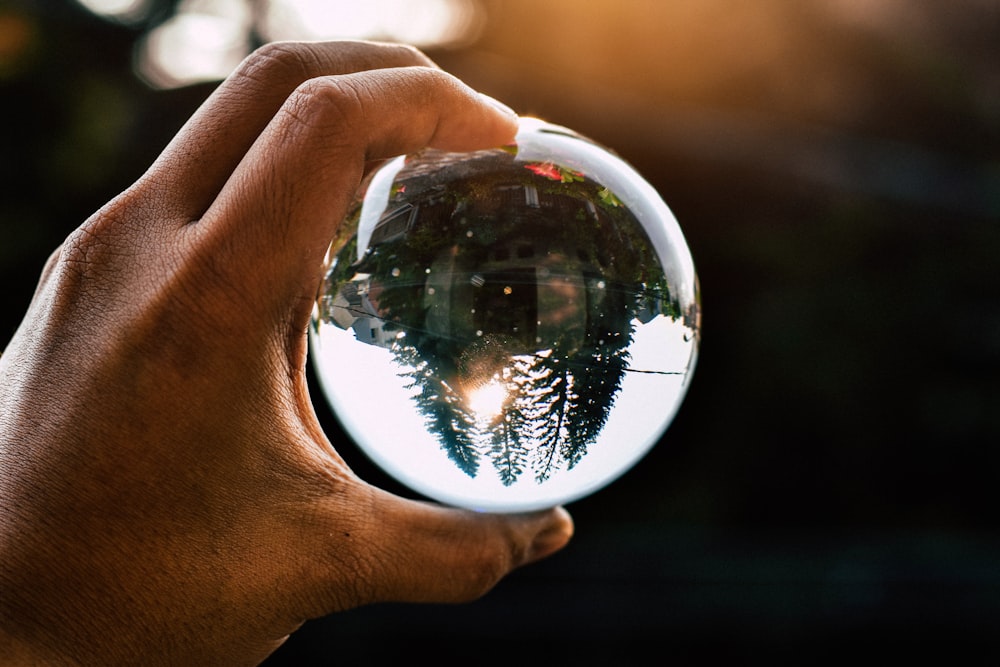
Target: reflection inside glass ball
column 508, row 329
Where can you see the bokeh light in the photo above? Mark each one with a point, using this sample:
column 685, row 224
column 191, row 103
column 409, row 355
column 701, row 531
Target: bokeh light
column 125, row 11
column 204, row 40
column 828, row 484
column 17, row 40
column 424, row 23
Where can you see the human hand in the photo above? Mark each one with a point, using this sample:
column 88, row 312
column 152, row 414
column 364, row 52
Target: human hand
column 166, row 492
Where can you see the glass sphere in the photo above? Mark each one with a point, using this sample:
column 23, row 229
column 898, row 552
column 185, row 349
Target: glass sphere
column 507, row 329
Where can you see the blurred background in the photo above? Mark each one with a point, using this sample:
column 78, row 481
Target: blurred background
column 828, row 489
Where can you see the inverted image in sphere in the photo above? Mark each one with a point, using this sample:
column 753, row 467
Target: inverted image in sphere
column 508, row 329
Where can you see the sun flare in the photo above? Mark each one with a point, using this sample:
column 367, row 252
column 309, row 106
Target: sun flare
column 487, row 400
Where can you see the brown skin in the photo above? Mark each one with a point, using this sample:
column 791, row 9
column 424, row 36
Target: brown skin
column 166, row 493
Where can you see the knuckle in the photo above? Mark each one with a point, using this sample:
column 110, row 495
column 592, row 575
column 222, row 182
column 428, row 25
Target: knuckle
column 90, row 248
column 346, row 105
column 83, row 273
column 329, row 108
column 485, row 577
column 487, row 567
column 278, row 61
column 294, row 62
column 105, row 242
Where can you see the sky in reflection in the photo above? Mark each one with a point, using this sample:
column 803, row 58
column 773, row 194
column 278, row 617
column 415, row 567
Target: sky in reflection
column 511, row 328
column 382, row 415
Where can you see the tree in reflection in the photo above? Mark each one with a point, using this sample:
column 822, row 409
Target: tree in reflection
column 510, row 281
column 441, row 406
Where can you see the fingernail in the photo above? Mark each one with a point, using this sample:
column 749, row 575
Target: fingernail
column 497, row 104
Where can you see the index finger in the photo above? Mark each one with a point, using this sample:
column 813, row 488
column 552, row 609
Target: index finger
column 286, row 198
column 196, row 164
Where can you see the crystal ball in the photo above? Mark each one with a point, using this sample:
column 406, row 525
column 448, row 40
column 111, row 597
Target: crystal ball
column 508, row 329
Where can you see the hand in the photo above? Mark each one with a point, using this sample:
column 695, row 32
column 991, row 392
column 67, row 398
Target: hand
column 166, row 492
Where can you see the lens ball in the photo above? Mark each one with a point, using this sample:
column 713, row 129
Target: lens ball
column 507, row 329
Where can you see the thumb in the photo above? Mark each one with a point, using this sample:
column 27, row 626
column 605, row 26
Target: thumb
column 412, row 551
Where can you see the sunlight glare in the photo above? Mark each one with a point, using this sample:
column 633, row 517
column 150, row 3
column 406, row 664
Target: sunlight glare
column 487, row 400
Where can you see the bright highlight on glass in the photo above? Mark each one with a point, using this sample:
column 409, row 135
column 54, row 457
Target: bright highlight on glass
column 509, row 329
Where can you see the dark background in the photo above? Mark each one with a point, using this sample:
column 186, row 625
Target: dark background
column 829, row 487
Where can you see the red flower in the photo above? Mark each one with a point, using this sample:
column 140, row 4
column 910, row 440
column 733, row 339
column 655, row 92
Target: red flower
column 546, row 169
column 556, row 173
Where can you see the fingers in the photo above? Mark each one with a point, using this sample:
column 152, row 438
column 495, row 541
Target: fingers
column 287, row 196
column 193, row 168
column 421, row 552
column 439, row 554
